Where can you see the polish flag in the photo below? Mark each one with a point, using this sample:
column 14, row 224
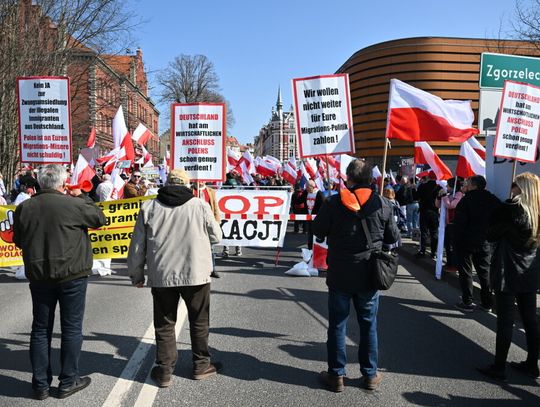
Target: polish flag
column 311, row 167
column 289, row 171
column 304, row 171
column 118, row 185
column 265, row 168
column 479, row 148
column 376, row 174
column 232, row 158
column 244, row 172
column 91, row 143
column 273, row 161
column 145, row 158
column 141, row 134
column 119, row 129
column 250, row 162
column 469, row 162
column 416, row 115
column 344, row 161
column 424, row 154
column 82, row 172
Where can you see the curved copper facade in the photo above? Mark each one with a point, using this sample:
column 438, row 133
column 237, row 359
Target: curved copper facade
column 446, row 67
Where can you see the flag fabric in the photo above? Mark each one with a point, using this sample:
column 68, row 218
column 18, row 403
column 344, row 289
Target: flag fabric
column 265, row 168
column 424, row 154
column 416, row 115
column 304, row 171
column 141, row 134
column 91, row 142
column 82, row 172
column 344, row 161
column 250, row 162
column 289, row 171
column 311, row 167
column 376, row 174
column 244, row 172
column 469, row 162
column 273, row 161
column 233, row 158
column 479, row 148
column 319, row 182
column 119, row 128
column 118, row 185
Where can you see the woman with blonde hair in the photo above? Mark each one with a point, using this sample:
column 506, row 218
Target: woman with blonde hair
column 515, row 230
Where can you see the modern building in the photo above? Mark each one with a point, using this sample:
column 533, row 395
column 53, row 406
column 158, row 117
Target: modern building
column 446, row 67
column 278, row 137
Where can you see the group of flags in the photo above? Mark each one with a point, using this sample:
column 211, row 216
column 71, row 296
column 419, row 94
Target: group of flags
column 123, row 149
column 420, row 117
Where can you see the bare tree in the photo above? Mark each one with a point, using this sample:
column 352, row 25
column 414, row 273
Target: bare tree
column 526, row 24
column 42, row 37
column 191, row 79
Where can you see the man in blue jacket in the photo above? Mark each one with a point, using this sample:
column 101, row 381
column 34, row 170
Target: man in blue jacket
column 340, row 221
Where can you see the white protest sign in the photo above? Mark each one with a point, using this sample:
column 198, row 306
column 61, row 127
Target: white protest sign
column 259, row 228
column 198, row 140
column 44, row 120
column 323, row 115
column 519, row 122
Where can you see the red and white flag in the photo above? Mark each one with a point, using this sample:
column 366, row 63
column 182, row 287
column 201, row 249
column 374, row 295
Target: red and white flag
column 344, row 161
column 416, row 115
column 119, row 129
column 250, row 162
column 290, row 172
column 141, row 134
column 118, row 185
column 244, row 172
column 265, row 168
column 82, row 172
column 304, row 171
column 232, row 158
column 311, row 167
column 273, row 161
column 91, row 142
column 376, row 174
column 424, row 154
column 469, row 162
column 479, row 148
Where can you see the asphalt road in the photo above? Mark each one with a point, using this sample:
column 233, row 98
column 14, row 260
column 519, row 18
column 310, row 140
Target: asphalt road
column 269, row 330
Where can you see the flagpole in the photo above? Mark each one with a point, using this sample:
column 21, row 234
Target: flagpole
column 384, row 164
column 514, row 167
column 327, row 170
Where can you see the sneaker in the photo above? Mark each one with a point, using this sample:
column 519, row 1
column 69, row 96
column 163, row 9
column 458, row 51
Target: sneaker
column 80, row 383
column 158, row 378
column 524, row 367
column 465, row 307
column 371, row 383
column 493, row 372
column 215, row 274
column 211, row 370
column 331, row 382
column 41, row 394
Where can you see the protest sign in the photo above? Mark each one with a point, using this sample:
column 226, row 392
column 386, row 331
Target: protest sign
column 150, row 172
column 123, row 164
column 251, row 205
column 10, row 255
column 323, row 115
column 519, row 122
column 198, row 140
column 44, row 120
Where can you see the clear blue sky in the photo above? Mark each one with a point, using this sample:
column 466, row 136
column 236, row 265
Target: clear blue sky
column 257, row 46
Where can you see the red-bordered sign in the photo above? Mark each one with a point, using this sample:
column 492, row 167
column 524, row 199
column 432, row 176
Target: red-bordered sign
column 44, row 109
column 198, row 140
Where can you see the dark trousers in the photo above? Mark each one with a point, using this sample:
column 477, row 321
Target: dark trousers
column 480, row 257
column 309, row 235
column 297, row 224
column 526, row 303
column 449, row 245
column 71, row 296
column 197, row 299
column 429, row 225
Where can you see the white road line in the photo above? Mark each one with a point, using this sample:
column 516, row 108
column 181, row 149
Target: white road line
column 149, row 390
column 125, row 381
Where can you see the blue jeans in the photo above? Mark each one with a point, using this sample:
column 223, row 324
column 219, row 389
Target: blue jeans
column 366, row 305
column 71, row 296
column 412, row 214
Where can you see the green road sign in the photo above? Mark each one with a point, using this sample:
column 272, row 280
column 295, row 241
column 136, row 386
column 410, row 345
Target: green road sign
column 497, row 68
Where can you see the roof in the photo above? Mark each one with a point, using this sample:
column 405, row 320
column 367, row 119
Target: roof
column 119, row 63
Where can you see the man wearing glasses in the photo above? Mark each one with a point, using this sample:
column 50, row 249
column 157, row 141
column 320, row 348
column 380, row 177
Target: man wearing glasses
column 134, row 187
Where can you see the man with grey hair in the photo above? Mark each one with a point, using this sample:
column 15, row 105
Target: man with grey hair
column 51, row 228
column 346, row 220
column 173, row 237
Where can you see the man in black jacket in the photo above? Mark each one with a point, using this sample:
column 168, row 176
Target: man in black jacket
column 472, row 248
column 340, row 220
column 429, row 215
column 51, row 228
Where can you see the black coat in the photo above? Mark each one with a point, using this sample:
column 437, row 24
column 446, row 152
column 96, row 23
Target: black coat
column 472, row 217
column 348, row 251
column 52, row 230
column 426, row 194
column 515, row 267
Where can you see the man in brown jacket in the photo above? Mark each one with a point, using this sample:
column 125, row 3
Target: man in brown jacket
column 134, row 187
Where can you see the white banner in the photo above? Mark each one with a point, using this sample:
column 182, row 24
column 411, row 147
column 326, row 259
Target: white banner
column 44, row 120
column 252, row 205
column 323, row 115
column 519, row 122
column 198, row 140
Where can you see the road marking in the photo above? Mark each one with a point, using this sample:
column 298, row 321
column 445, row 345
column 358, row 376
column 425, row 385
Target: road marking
column 149, row 390
column 126, row 379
